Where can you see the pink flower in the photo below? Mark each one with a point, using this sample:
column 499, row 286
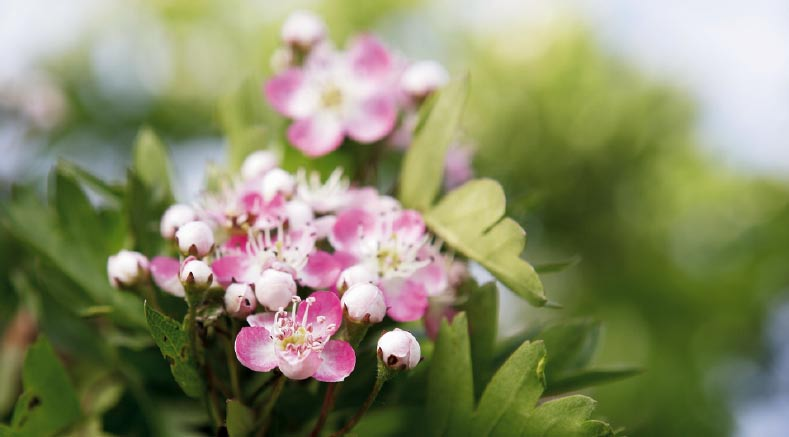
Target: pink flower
column 165, row 274
column 422, row 78
column 457, row 166
column 298, row 343
column 338, row 94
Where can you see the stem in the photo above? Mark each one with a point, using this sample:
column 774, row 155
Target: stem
column 265, row 412
column 232, row 363
column 379, row 382
column 328, row 404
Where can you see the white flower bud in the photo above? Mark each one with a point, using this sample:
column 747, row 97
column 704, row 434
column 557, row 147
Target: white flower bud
column 240, row 300
column 303, row 29
column 399, row 350
column 274, row 289
column 353, row 275
column 277, row 181
column 195, row 238
column 364, row 303
column 258, row 163
column 196, row 273
column 127, row 269
column 299, row 214
column 423, row 77
column 176, row 216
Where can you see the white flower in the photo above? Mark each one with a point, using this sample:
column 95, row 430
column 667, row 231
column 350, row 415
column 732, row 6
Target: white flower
column 127, row 268
column 364, row 303
column 423, row 77
column 322, row 197
column 175, row 217
column 274, row 289
column 277, row 181
column 399, row 350
column 258, row 163
column 353, row 275
column 240, row 300
column 303, row 29
column 195, row 238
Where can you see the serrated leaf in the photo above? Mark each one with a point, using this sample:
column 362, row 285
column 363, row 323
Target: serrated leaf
column 564, row 417
column 152, row 164
column 49, row 402
column 471, row 220
column 173, row 342
column 450, row 390
column 423, row 165
column 572, row 344
column 483, row 315
column 240, row 419
column 567, row 382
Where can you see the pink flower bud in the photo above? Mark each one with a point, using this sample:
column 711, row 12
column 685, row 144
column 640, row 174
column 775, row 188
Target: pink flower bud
column 127, row 269
column 240, row 300
column 175, row 217
column 303, row 29
column 258, row 163
column 274, row 289
column 399, row 350
column 423, row 77
column 195, row 238
column 364, row 303
column 196, row 273
column 353, row 275
column 277, row 181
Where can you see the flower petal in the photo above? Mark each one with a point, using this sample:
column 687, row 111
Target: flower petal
column 295, row 367
column 372, row 119
column 316, row 135
column 255, row 349
column 321, row 270
column 290, row 95
column 348, row 228
column 339, row 360
column 229, row 269
column 370, row 60
column 409, row 225
column 327, row 305
column 165, row 272
column 406, row 300
column 264, row 319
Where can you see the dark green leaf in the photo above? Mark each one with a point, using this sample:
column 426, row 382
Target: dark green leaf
column 174, row 345
column 471, row 220
column 450, row 390
column 143, row 212
column 483, row 315
column 557, row 266
column 564, row 417
column 49, row 402
column 78, row 219
column 240, row 419
column 571, row 344
column 567, row 382
column 423, row 165
column 110, row 192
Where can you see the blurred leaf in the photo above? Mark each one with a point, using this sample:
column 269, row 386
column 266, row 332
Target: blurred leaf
column 49, row 402
column 243, row 115
column 78, row 219
column 564, row 417
column 152, row 164
column 389, row 421
column 450, row 389
column 110, row 192
column 174, row 345
column 240, row 419
column 469, row 219
column 571, row 344
column 557, row 266
column 483, row 315
column 101, row 392
column 143, row 213
column 423, row 165
column 568, row 382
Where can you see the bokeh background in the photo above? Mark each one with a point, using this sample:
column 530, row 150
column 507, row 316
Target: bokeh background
column 646, row 140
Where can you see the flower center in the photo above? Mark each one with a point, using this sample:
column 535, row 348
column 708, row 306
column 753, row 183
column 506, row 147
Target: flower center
column 331, row 97
column 298, row 336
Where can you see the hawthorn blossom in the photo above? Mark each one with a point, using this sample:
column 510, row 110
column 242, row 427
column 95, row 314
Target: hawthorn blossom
column 298, row 343
column 127, row 269
column 399, row 350
column 165, row 272
column 422, row 78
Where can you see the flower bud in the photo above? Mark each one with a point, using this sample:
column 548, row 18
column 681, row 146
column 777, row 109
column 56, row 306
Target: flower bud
column 176, row 216
column 195, row 238
column 353, row 275
column 196, row 274
column 303, row 29
column 240, row 300
column 274, row 289
column 299, row 214
column 258, row 163
column 364, row 303
column 277, row 181
column 127, row 269
column 399, row 350
column 422, row 78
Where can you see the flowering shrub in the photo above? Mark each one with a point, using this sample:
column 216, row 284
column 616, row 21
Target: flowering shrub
column 288, row 268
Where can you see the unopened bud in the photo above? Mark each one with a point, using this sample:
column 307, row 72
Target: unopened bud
column 175, row 217
column 353, row 275
column 364, row 303
column 303, row 29
column 240, row 300
column 422, row 78
column 196, row 274
column 274, row 289
column 127, row 269
column 277, row 181
column 195, row 238
column 399, row 350
column 258, row 163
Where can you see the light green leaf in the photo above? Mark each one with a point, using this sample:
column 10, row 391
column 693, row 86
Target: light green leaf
column 174, row 345
column 240, row 419
column 471, row 220
column 243, row 114
column 152, row 164
column 450, row 389
column 564, row 417
column 49, row 402
column 483, row 314
column 423, row 166
column 572, row 381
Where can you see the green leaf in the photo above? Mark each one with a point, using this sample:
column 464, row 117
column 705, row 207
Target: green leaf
column 557, row 266
column 49, row 402
column 152, row 164
column 567, row 382
column 483, row 310
column 471, row 220
column 174, row 345
column 423, row 165
column 450, row 390
column 240, row 419
column 109, row 191
column 143, row 212
column 571, row 344
column 564, row 417
column 78, row 219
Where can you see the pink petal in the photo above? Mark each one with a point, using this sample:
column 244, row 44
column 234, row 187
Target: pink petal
column 373, row 119
column 165, row 272
column 255, row 349
column 295, row 367
column 406, row 300
column 370, row 60
column 264, row 319
column 326, row 304
column 229, row 269
column 237, row 243
column 316, row 136
column 323, row 225
column 339, row 361
column 433, row 318
column 434, row 277
column 344, row 259
column 409, row 225
column 321, row 270
column 286, row 93
column 348, row 228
